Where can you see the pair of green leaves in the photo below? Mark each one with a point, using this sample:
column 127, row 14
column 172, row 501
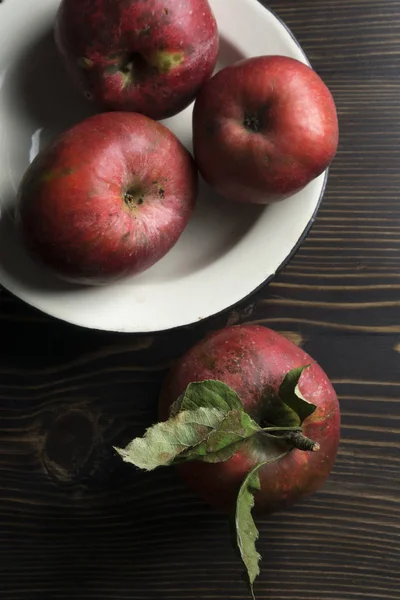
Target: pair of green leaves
column 208, row 423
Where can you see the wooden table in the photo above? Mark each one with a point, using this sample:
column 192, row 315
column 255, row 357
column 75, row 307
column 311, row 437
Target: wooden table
column 75, row 523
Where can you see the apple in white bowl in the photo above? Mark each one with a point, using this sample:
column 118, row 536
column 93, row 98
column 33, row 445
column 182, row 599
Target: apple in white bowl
column 147, row 56
column 109, row 198
column 263, row 128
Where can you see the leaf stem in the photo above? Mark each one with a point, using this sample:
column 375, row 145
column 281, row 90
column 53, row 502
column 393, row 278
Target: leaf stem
column 281, row 429
column 272, row 460
column 268, row 432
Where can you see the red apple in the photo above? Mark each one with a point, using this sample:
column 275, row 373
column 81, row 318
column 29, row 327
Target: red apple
column 264, row 128
column 108, row 198
column 147, row 56
column 253, row 361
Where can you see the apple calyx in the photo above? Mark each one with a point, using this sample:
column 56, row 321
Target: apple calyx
column 136, row 67
column 252, row 122
column 133, row 198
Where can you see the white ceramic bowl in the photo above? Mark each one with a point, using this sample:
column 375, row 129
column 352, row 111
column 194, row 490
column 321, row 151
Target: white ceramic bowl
column 227, row 251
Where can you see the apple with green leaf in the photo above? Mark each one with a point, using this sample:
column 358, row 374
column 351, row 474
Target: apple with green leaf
column 251, row 420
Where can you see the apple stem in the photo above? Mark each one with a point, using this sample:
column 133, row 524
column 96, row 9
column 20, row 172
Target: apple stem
column 301, row 442
column 292, row 436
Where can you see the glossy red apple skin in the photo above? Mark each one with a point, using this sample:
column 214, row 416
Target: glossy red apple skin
column 253, row 360
column 264, row 128
column 108, row 198
column 147, row 56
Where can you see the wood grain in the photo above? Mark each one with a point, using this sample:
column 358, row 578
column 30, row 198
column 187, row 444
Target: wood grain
column 77, row 523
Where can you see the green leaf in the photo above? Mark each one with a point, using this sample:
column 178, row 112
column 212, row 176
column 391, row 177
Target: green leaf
column 280, row 414
column 246, row 530
column 207, row 423
column 224, row 440
column 290, row 394
column 163, row 442
column 223, row 454
column 208, row 394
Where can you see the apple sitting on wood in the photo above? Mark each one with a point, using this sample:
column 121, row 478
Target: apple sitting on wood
column 249, row 418
column 263, row 128
column 108, row 198
column 147, row 56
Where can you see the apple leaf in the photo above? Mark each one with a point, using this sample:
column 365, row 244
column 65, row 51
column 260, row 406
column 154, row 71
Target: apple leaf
column 290, row 394
column 222, row 455
column 280, row 414
column 208, row 423
column 223, row 441
column 246, row 530
column 163, row 442
column 208, row 394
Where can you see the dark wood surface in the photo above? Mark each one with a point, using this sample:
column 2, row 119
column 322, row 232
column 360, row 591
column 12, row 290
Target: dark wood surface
column 75, row 523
